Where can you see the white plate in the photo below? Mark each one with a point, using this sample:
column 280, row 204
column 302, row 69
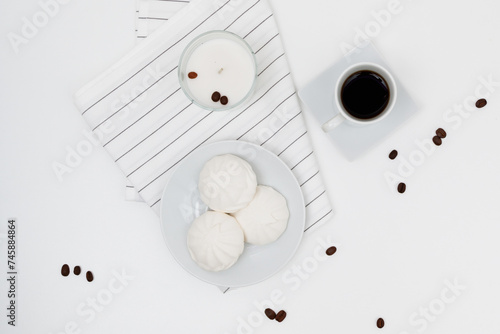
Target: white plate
column 181, row 204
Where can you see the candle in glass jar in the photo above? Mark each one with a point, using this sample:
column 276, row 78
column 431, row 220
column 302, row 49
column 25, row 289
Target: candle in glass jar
column 220, row 71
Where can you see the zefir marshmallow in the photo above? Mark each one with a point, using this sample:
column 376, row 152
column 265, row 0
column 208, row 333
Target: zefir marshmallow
column 219, row 70
column 215, row 241
column 266, row 217
column 227, row 183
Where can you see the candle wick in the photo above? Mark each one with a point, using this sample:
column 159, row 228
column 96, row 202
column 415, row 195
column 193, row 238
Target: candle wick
column 221, row 70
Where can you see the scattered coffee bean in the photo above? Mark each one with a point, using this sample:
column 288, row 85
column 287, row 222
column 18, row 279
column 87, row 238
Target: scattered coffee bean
column 401, row 188
column 330, row 251
column 224, row 100
column 380, row 323
column 441, row 133
column 481, row 103
column 192, row 75
column 437, row 140
column 216, row 96
column 393, row 154
column 77, row 270
column 90, row 276
column 280, row 316
column 270, row 313
column 65, row 270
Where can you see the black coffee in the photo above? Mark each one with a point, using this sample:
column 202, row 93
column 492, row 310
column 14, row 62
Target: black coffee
column 365, row 94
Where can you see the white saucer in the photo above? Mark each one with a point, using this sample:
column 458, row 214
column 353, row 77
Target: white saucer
column 354, row 141
column 181, row 204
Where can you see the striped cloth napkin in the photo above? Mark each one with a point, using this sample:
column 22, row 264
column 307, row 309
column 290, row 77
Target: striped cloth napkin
column 151, row 14
column 148, row 125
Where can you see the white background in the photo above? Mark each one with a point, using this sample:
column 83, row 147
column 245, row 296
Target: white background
column 394, row 251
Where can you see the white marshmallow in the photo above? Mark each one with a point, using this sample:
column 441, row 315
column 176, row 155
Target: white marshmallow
column 215, row 241
column 227, row 183
column 265, row 218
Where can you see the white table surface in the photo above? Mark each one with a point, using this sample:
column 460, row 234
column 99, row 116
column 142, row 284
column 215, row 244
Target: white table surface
column 395, row 251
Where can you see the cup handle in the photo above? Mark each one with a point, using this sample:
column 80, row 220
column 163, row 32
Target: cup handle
column 333, row 123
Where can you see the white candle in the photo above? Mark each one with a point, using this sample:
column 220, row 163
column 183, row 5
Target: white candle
column 218, row 62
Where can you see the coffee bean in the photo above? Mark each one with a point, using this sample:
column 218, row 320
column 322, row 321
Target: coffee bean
column 280, row 316
column 330, row 251
column 77, row 270
column 65, row 270
column 224, row 100
column 90, row 276
column 380, row 323
column 481, row 103
column 441, row 133
column 216, row 96
column 192, row 75
column 401, row 188
column 270, row 313
column 437, row 140
column 393, row 154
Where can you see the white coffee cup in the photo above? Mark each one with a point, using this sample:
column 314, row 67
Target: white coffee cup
column 343, row 114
